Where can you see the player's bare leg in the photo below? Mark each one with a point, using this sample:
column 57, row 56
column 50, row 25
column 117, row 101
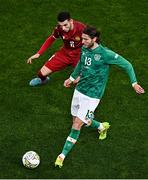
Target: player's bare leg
column 73, row 119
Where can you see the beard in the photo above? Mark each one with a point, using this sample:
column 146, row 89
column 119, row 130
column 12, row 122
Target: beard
column 90, row 45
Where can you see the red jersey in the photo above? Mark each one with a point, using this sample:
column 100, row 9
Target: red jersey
column 72, row 39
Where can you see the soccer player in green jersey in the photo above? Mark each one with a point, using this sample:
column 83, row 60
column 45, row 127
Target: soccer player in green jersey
column 93, row 69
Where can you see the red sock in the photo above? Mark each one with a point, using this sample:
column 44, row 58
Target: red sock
column 40, row 75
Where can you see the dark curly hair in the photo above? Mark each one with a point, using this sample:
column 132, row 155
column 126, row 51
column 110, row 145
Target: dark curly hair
column 92, row 32
column 62, row 16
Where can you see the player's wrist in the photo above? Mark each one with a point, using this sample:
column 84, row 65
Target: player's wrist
column 133, row 84
column 71, row 78
column 37, row 54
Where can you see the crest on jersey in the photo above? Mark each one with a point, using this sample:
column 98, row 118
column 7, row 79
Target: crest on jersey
column 116, row 56
column 77, row 38
column 97, row 57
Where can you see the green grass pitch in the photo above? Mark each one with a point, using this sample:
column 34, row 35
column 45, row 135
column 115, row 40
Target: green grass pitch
column 39, row 118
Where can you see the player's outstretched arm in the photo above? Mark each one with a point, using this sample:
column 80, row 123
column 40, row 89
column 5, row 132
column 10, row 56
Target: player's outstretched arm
column 35, row 56
column 67, row 83
column 138, row 89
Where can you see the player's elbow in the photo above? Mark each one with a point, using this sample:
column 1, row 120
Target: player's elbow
column 129, row 67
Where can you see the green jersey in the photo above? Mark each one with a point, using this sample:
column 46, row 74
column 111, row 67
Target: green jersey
column 93, row 69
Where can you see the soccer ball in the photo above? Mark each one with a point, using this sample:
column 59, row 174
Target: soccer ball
column 31, row 159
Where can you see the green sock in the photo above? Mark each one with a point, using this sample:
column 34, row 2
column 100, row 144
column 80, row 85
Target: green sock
column 95, row 124
column 71, row 140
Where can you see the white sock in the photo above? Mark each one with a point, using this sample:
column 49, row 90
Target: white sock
column 62, row 156
column 101, row 127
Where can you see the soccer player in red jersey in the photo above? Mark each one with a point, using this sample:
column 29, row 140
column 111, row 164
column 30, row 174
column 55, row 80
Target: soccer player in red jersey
column 70, row 31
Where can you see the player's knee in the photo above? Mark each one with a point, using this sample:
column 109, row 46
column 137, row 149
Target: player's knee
column 77, row 124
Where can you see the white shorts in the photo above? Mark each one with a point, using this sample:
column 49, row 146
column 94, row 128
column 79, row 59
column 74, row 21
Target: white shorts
column 83, row 106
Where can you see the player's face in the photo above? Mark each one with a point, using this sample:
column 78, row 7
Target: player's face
column 87, row 41
column 65, row 25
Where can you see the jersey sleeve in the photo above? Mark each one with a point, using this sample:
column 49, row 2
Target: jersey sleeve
column 116, row 59
column 46, row 44
column 76, row 72
column 49, row 41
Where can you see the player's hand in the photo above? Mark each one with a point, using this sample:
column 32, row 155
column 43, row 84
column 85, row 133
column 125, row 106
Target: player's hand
column 29, row 61
column 67, row 83
column 138, row 89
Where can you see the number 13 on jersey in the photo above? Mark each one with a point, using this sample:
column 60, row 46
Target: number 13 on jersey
column 87, row 61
